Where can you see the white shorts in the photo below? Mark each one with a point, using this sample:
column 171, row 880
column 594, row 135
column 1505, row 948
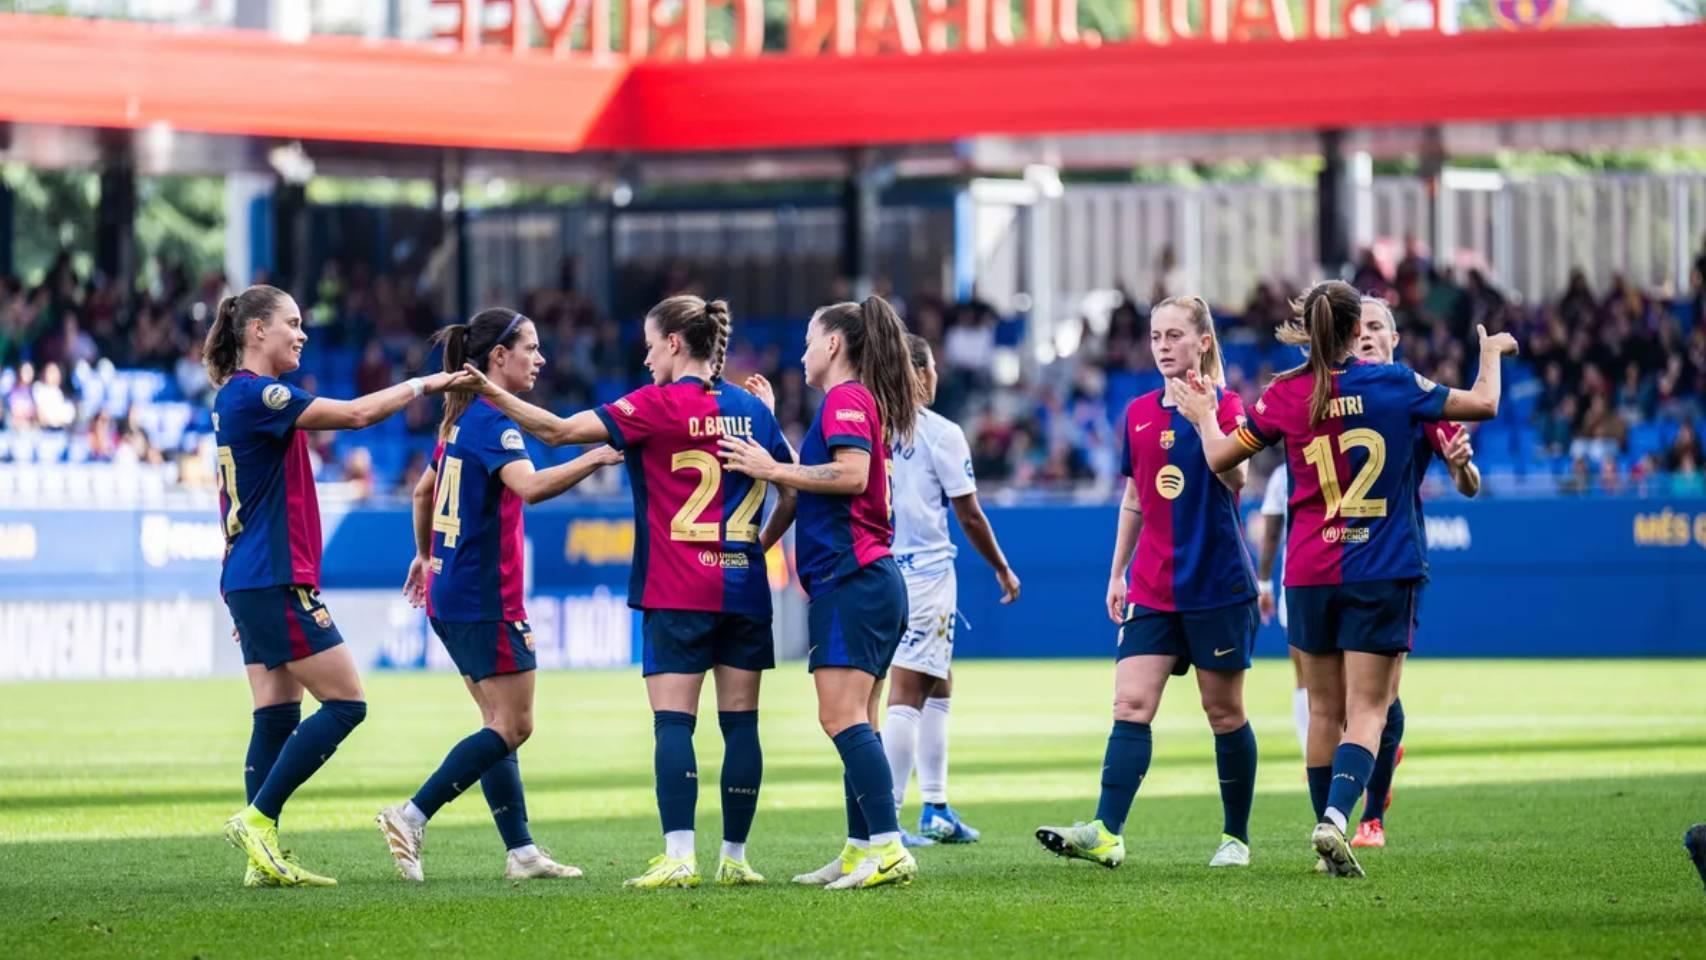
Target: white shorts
column 928, row 647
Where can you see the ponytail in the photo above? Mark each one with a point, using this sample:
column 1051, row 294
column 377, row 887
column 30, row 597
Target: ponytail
column 1212, row 364
column 717, row 312
column 1326, row 324
column 222, row 352
column 455, row 341
column 878, row 352
column 887, row 369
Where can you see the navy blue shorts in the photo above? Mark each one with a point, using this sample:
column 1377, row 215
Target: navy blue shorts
column 1220, row 639
column 859, row 623
column 488, row 648
column 1375, row 616
column 694, row 641
column 278, row 625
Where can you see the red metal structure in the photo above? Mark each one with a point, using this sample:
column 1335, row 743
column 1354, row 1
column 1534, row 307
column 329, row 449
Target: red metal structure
column 121, row 75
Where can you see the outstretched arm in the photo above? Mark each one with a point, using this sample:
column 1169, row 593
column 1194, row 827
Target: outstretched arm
column 535, row 486
column 1481, row 401
column 846, row 475
column 327, row 414
column 584, row 427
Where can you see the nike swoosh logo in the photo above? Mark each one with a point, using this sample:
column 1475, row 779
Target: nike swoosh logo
column 1140, row 428
column 1222, row 653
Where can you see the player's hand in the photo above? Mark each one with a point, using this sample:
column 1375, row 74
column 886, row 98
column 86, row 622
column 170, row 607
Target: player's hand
column 1116, row 598
column 437, row 383
column 1265, row 604
column 1501, row 343
column 1458, row 451
column 761, row 388
column 606, row 455
column 471, row 380
column 1194, row 397
column 414, row 588
column 1009, row 582
column 745, row 455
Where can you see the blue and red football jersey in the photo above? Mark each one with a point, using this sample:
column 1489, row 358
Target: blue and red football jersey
column 267, row 502
column 696, row 524
column 1353, row 514
column 836, row 535
column 1190, row 550
column 478, row 542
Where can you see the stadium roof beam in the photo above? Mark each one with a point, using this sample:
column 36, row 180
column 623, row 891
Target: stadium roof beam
column 1105, row 106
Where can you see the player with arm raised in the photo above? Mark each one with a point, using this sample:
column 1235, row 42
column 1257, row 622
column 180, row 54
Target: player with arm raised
column 1377, row 342
column 1188, row 599
column 856, row 353
column 1354, row 551
column 698, row 573
column 270, row 512
column 467, row 572
column 930, row 473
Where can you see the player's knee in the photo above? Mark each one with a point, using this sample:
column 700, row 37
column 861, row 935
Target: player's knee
column 1223, row 717
column 1136, row 709
column 834, row 720
column 515, row 728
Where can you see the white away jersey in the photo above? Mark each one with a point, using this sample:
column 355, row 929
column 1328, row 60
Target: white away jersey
column 934, row 469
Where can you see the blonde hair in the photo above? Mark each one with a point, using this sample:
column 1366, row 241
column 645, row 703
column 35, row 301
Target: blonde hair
column 1212, row 364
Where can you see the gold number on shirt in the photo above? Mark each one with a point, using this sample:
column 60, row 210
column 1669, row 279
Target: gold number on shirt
column 447, row 506
column 742, row 525
column 1354, row 502
column 228, row 480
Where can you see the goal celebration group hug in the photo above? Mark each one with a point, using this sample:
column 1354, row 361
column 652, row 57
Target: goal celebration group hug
column 868, row 494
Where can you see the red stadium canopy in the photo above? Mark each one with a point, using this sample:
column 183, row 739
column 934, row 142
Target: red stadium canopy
column 122, row 75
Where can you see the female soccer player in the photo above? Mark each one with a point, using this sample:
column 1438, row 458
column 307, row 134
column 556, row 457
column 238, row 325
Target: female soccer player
column 1188, row 600
column 467, row 573
column 699, row 573
column 929, row 474
column 271, row 577
column 1354, row 555
column 1377, row 342
column 856, row 353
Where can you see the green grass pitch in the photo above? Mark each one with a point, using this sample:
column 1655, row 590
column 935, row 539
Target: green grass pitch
column 1539, row 813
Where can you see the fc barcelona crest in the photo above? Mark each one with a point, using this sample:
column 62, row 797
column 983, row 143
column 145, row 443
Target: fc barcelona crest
column 323, row 617
column 1166, row 439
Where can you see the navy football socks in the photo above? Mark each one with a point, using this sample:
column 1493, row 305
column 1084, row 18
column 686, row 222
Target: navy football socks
column 676, row 769
column 501, row 783
column 465, row 765
column 306, row 751
column 1124, row 766
column 1385, row 763
column 1320, row 782
column 869, row 779
column 743, row 771
column 272, row 729
column 1351, row 766
column 1235, row 760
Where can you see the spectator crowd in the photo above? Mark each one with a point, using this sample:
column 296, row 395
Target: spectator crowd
column 1607, row 397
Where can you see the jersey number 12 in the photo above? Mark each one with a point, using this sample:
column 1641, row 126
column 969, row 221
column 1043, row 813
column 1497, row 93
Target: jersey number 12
column 1354, row 503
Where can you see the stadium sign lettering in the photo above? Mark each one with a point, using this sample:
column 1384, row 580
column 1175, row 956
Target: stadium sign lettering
column 1669, row 528
column 682, row 29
